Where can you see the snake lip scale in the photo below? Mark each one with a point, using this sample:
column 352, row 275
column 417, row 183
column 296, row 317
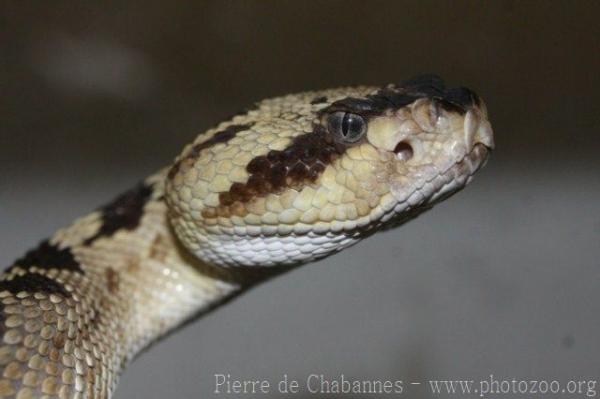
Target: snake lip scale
column 293, row 179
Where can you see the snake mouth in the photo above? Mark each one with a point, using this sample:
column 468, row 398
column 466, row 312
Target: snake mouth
column 471, row 162
column 457, row 176
column 441, row 183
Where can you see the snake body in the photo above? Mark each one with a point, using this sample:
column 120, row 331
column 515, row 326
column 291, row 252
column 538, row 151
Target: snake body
column 290, row 180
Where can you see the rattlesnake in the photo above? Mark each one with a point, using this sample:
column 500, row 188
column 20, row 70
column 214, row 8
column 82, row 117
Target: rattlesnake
column 287, row 181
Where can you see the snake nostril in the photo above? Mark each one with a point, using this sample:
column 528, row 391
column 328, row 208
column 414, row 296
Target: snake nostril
column 403, row 151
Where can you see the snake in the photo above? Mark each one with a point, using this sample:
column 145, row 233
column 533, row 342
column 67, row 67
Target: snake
column 286, row 181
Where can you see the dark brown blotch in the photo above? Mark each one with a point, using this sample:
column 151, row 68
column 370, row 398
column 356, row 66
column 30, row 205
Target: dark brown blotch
column 302, row 161
column 315, row 171
column 297, row 172
column 125, row 212
column 222, row 136
column 257, row 185
column 258, row 165
column 225, row 199
column 397, row 96
column 49, row 256
column 34, row 282
column 238, row 192
column 375, row 104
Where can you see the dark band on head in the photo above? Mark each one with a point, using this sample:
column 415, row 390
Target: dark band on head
column 397, row 96
column 303, row 160
column 222, row 136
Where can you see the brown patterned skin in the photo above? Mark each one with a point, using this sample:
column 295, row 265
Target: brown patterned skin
column 293, row 179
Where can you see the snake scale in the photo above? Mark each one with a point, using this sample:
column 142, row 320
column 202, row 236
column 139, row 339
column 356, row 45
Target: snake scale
column 287, row 181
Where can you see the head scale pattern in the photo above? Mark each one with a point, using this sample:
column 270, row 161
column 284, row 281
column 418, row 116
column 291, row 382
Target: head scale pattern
column 279, row 172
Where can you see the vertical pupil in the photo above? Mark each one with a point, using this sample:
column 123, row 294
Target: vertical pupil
column 355, row 125
column 346, row 126
column 346, row 121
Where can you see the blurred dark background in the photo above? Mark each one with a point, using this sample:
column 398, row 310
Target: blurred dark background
column 502, row 279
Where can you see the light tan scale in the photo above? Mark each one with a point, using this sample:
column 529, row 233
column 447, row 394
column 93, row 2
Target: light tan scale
column 294, row 179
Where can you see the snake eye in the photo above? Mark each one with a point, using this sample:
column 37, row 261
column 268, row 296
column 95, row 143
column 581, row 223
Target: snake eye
column 347, row 127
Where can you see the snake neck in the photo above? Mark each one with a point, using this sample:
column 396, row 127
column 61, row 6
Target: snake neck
column 76, row 309
column 293, row 179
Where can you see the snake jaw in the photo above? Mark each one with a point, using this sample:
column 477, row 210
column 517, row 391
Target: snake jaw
column 433, row 185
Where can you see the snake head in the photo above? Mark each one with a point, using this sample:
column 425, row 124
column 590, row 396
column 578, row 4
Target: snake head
column 303, row 176
column 429, row 140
